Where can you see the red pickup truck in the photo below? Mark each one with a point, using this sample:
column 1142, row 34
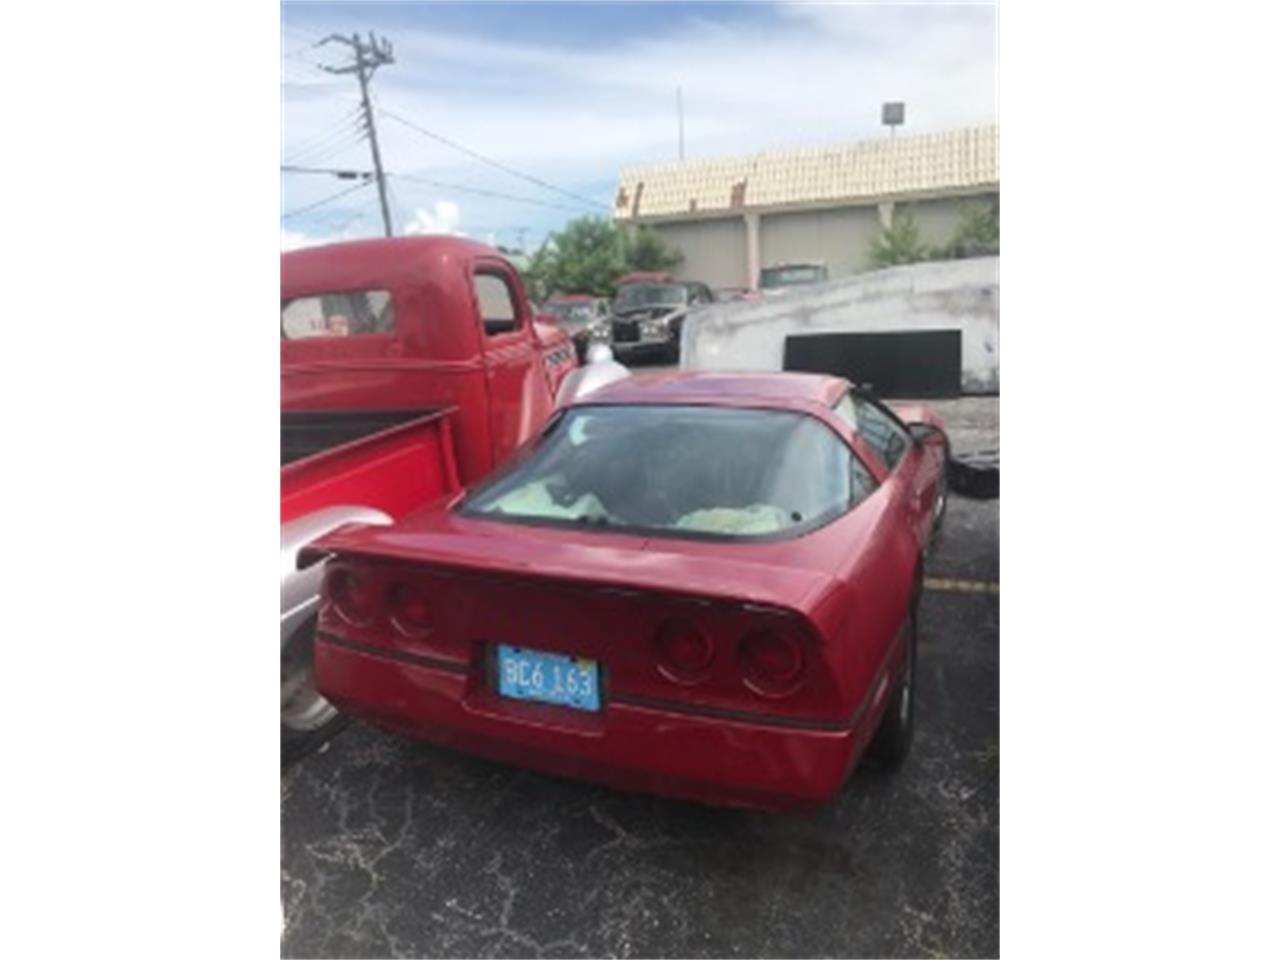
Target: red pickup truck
column 408, row 367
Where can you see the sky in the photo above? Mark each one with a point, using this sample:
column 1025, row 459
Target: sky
column 570, row 94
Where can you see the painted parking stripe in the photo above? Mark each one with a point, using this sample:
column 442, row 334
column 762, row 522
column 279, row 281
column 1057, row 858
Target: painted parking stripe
column 961, row 586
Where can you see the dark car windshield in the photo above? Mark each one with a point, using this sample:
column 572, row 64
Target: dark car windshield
column 571, row 313
column 791, row 276
column 679, row 470
column 651, row 295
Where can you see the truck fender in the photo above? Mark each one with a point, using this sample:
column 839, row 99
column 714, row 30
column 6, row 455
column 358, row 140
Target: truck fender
column 300, row 589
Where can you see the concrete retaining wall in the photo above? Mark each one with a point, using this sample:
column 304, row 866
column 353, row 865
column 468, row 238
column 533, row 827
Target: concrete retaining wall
column 959, row 295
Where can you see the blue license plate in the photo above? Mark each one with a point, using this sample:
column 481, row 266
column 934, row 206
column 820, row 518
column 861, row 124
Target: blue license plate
column 548, row 678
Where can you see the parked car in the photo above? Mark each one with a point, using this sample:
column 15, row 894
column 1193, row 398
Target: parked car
column 407, row 366
column 784, row 275
column 583, row 316
column 697, row 585
column 648, row 316
column 732, row 294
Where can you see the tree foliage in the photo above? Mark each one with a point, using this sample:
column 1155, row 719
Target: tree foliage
column 590, row 254
column 899, row 244
column 977, row 234
column 644, row 249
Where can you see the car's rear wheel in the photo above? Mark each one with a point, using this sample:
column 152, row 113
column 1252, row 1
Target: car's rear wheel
column 892, row 741
column 307, row 719
column 940, row 502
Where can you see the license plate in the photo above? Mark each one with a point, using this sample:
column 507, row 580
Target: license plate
column 548, row 678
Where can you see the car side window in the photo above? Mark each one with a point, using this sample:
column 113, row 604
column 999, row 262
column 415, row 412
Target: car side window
column 876, row 427
column 497, row 303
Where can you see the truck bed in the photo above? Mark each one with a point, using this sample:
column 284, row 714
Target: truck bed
column 307, row 432
column 395, row 469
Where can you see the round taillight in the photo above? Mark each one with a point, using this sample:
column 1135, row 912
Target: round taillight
column 410, row 611
column 353, row 597
column 683, row 651
column 771, row 661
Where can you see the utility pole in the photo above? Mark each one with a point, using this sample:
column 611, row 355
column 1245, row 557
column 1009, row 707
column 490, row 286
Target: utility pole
column 368, row 58
column 680, row 114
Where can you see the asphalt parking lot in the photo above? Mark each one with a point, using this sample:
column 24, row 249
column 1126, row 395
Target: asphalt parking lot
column 393, row 848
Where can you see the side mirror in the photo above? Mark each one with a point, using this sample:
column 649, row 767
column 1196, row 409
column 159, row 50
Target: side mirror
column 925, row 432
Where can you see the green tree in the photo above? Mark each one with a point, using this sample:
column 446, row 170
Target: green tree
column 590, row 254
column 977, row 234
column 647, row 250
column 899, row 244
column 587, row 256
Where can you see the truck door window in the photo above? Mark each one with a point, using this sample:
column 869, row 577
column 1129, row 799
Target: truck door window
column 497, row 303
column 349, row 314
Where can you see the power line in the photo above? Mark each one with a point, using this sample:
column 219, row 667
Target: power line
column 483, row 193
column 331, row 151
column 336, row 172
column 491, row 162
column 347, row 134
column 329, row 199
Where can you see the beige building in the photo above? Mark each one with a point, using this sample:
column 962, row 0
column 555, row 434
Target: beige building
column 730, row 217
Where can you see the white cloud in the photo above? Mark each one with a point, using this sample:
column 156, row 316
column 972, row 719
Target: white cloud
column 298, row 239
column 443, row 217
column 815, row 74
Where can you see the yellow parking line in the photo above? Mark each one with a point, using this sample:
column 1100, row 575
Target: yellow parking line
column 962, row 586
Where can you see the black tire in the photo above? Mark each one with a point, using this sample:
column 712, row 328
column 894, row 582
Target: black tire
column 295, row 745
column 298, row 739
column 892, row 741
column 943, row 488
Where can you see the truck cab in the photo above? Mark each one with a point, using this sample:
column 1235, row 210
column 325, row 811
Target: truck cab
column 379, row 332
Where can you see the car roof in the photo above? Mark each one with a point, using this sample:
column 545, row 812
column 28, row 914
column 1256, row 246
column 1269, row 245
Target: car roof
column 374, row 263
column 781, row 390
column 571, row 297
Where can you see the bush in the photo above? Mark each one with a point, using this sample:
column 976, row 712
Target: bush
column 978, row 233
column 899, row 244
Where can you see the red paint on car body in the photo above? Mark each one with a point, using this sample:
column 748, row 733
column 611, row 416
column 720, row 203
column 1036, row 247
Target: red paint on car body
column 806, row 635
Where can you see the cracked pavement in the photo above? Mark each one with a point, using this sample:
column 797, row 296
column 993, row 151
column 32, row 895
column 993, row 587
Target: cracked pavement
column 394, row 848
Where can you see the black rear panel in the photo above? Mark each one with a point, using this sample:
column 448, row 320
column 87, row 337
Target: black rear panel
column 916, row 364
column 304, row 432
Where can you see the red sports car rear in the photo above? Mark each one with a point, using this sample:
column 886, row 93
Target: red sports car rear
column 696, row 585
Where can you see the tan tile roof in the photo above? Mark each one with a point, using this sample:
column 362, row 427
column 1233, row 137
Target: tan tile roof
column 955, row 160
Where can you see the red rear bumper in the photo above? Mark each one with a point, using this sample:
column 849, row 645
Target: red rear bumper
column 628, row 746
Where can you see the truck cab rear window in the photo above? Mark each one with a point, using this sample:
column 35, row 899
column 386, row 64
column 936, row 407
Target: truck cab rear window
column 350, row 314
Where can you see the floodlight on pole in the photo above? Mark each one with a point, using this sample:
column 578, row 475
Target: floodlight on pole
column 892, row 115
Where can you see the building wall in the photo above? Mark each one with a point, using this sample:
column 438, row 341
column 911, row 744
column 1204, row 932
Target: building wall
column 959, row 295
column 938, row 219
column 839, row 237
column 715, row 251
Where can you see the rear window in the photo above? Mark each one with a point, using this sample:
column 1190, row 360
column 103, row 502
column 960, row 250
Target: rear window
column 681, row 471
column 349, row 314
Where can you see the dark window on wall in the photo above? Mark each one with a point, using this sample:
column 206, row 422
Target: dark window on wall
column 497, row 303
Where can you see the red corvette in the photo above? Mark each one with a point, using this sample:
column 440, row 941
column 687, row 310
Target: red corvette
column 699, row 585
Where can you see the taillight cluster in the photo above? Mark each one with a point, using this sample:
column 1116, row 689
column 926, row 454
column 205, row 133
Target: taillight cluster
column 770, row 662
column 358, row 600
